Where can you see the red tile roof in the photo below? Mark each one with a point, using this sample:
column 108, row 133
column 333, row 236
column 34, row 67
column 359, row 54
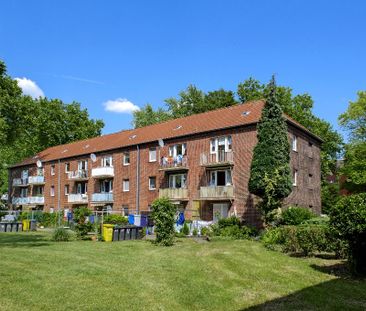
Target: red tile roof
column 238, row 115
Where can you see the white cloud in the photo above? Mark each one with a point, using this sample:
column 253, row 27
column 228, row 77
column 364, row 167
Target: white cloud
column 120, row 105
column 29, row 87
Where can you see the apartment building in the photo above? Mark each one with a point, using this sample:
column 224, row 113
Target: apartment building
column 201, row 163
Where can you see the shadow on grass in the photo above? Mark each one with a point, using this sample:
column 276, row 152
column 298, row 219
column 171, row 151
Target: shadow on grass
column 338, row 294
column 22, row 240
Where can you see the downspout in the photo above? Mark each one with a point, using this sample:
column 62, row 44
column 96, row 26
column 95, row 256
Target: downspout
column 58, row 192
column 138, row 181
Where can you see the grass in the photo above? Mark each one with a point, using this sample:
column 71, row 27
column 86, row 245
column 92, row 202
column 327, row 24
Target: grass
column 38, row 274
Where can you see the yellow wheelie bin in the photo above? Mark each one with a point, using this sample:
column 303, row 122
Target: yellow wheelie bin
column 25, row 224
column 108, row 232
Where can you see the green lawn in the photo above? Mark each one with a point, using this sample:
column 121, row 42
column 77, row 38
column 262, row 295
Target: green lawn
column 37, row 274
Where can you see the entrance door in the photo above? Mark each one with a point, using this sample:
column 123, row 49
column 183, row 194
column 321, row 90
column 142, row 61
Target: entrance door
column 220, row 210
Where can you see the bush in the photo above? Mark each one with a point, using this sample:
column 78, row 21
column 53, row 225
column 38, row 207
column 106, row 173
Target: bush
column 348, row 223
column 82, row 230
column 195, row 232
column 293, row 216
column 115, row 219
column 272, row 237
column 163, row 213
column 185, row 229
column 231, row 227
column 61, row 235
column 205, row 231
column 80, row 214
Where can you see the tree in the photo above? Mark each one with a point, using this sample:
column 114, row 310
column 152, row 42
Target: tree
column 271, row 156
column 354, row 121
column 163, row 213
column 147, row 116
column 28, row 126
column 219, row 99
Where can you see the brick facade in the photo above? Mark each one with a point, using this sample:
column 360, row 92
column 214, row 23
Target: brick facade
column 306, row 160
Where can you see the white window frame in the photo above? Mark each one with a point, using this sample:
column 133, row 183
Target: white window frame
column 173, row 150
column 126, row 185
column 173, row 181
column 228, row 178
column 150, row 179
column 52, row 191
column 81, row 164
column 103, row 186
column 294, row 142
column 125, row 156
column 105, row 161
column 79, row 188
column 226, row 141
column 294, row 177
column 151, row 152
column 66, row 189
column 23, row 192
column 67, row 167
column 53, row 170
column 25, row 174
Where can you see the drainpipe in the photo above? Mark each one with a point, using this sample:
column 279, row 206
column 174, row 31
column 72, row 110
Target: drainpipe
column 58, row 192
column 138, row 181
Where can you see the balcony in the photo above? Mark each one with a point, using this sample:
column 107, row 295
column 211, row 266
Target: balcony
column 20, row 182
column 28, row 200
column 221, row 158
column 36, row 180
column 77, row 198
column 217, row 193
column 102, row 197
column 103, row 172
column 174, row 193
column 173, row 163
column 78, row 175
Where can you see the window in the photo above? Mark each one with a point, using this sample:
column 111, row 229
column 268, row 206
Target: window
column 24, row 174
column 220, row 178
column 294, row 143
column 66, row 189
column 23, row 192
column 40, row 171
column 294, row 177
column 106, row 186
column 177, row 150
column 152, row 154
column 38, row 191
column 177, row 181
column 213, row 146
column 83, row 165
column 53, row 169
column 126, row 158
column 52, row 191
column 126, row 185
column 81, row 188
column 221, row 144
column 152, row 183
column 67, row 167
column 107, row 161
column 310, row 152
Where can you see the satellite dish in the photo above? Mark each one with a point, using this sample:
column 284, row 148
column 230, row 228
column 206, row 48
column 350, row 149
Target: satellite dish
column 161, row 143
column 39, row 163
column 93, row 157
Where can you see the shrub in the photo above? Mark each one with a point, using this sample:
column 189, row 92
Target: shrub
column 80, row 214
column 163, row 213
column 82, row 230
column 115, row 219
column 295, row 216
column 348, row 223
column 227, row 222
column 61, row 235
column 205, row 231
column 231, row 227
column 195, row 232
column 185, row 229
column 272, row 237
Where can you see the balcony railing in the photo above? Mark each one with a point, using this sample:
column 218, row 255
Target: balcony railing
column 36, row 180
column 173, row 163
column 28, row 200
column 20, row 182
column 216, row 159
column 174, row 193
column 103, row 172
column 78, row 175
column 77, row 198
column 102, row 197
column 217, row 192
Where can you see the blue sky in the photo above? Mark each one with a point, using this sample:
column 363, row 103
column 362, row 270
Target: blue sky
column 145, row 51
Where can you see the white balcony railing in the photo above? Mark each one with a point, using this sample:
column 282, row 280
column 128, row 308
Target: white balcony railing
column 219, row 158
column 102, row 197
column 77, row 198
column 36, row 200
column 217, row 192
column 172, row 163
column 19, row 182
column 78, row 175
column 103, row 172
column 34, row 180
column 174, row 193
column 28, row 200
column 20, row 201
